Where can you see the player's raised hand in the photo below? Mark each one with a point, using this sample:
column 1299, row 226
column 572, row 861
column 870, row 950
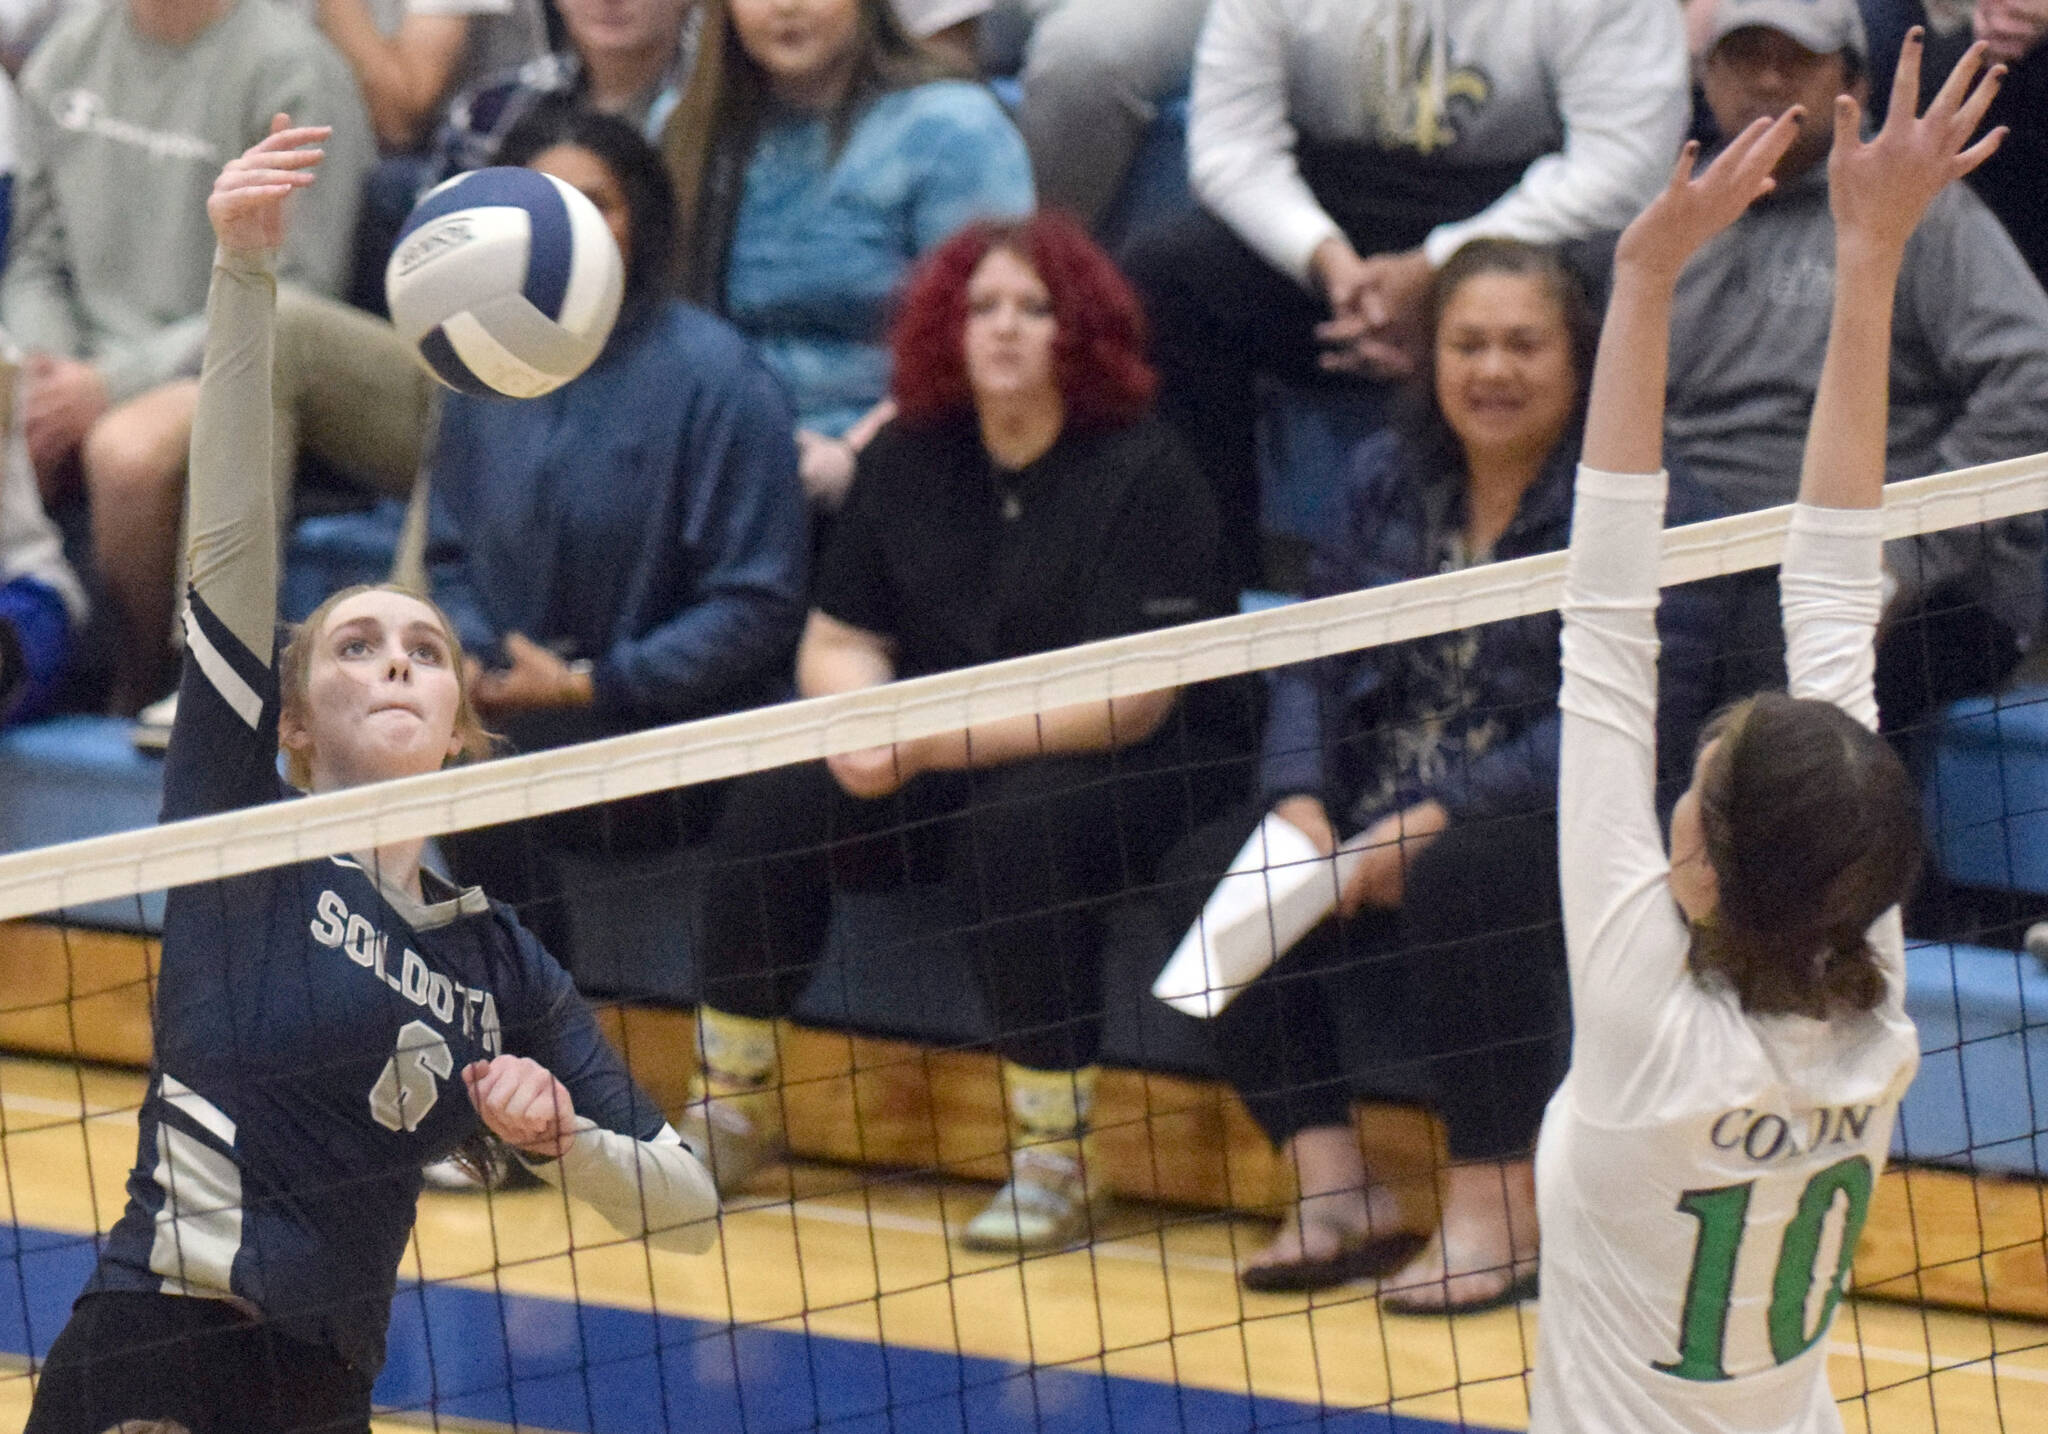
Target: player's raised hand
column 523, row 1104
column 247, row 203
column 1694, row 207
column 1879, row 188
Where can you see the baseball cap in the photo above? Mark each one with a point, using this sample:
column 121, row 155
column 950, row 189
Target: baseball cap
column 1822, row 26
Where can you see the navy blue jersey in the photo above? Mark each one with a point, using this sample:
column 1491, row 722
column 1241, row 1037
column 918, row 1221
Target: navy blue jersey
column 311, row 1030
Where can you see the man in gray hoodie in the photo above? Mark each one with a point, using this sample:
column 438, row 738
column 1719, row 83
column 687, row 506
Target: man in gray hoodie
column 1969, row 380
column 127, row 111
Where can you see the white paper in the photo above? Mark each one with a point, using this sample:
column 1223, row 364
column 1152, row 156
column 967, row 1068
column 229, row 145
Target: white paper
column 1274, row 891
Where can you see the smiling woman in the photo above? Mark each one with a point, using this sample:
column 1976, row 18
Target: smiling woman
column 312, row 1020
column 1438, row 757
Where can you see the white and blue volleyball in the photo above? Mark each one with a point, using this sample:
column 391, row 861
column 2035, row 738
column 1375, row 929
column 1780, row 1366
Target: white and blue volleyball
column 505, row 281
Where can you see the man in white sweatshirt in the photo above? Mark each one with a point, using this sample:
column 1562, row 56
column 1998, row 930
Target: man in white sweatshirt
column 1343, row 149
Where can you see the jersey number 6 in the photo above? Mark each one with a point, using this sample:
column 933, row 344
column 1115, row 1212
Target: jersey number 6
column 1702, row 1333
column 410, row 1082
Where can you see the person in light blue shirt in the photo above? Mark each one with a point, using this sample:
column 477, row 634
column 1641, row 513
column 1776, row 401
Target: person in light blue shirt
column 817, row 154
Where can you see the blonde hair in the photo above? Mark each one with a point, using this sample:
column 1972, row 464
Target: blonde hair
column 295, row 667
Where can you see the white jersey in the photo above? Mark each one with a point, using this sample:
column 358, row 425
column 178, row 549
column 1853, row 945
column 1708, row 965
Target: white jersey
column 1702, row 1174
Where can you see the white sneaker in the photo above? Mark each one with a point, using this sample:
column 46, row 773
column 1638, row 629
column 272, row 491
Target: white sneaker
column 731, row 1145
column 152, row 729
column 502, row 1172
column 1046, row 1205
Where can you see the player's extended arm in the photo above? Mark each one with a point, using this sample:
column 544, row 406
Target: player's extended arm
column 1610, row 846
column 657, row 1189
column 1831, row 580
column 232, row 552
column 654, row 1188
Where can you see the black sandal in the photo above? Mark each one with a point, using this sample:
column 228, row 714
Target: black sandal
column 1358, row 1257
column 1522, row 1287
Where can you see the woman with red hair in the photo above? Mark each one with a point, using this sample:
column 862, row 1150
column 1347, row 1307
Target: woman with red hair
column 1024, row 499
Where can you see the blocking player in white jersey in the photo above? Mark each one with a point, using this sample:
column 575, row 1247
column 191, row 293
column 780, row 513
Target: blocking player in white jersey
column 1741, row 1042
column 323, row 1028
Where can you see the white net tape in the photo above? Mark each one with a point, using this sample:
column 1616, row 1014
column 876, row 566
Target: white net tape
column 252, row 839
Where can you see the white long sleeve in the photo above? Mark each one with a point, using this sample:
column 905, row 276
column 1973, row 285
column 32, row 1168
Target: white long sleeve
column 1612, row 862
column 1589, row 98
column 1831, row 589
column 1624, row 93
column 1241, row 136
column 652, row 1189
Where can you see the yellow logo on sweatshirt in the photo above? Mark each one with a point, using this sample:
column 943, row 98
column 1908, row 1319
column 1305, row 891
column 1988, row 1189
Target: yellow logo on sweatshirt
column 1419, row 112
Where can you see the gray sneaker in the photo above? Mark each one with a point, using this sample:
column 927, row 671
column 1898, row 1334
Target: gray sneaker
column 1046, row 1206
column 731, row 1146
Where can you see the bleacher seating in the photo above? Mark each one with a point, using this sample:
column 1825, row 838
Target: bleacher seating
column 1983, row 1084
column 1987, row 794
column 75, row 777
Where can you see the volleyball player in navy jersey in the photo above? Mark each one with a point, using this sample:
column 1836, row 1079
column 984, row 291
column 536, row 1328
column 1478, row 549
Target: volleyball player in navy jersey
column 326, row 1028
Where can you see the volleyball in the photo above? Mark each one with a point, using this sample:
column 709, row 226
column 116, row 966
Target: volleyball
column 505, row 282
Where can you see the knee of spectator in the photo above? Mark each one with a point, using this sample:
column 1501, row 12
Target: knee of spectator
column 142, row 445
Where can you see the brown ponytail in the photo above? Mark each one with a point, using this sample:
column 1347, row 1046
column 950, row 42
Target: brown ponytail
column 1813, row 830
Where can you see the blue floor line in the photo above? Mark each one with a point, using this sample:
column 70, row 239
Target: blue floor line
column 597, row 1369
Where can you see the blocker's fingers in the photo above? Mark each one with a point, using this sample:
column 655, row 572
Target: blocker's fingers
column 1905, row 105
column 1982, row 150
column 1949, row 97
column 1848, row 123
column 1779, row 137
column 1973, row 109
column 1688, row 159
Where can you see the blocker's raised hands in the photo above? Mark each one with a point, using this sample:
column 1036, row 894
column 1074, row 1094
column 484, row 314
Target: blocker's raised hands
column 1695, row 207
column 1879, row 188
column 247, row 203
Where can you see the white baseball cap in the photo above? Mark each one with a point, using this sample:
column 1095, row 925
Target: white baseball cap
column 1825, row 27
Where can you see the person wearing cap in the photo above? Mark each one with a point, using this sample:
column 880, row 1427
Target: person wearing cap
column 1969, row 364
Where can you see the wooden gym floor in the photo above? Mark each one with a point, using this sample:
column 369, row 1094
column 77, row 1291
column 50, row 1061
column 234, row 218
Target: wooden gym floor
column 845, row 1307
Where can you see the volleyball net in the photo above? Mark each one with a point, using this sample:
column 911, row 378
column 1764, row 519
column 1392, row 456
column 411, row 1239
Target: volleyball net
column 1105, row 906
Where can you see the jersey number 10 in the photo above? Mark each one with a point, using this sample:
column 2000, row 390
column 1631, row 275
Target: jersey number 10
column 1722, row 1212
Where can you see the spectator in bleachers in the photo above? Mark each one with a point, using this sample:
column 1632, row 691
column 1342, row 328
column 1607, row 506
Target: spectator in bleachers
column 1969, row 364
column 23, row 23
column 1094, row 74
column 627, row 551
column 952, row 27
column 2009, row 182
column 409, row 56
column 41, row 602
column 1342, row 152
column 1438, row 756
column 628, row 58
column 622, row 57
column 127, row 110
column 1024, row 500
column 818, row 153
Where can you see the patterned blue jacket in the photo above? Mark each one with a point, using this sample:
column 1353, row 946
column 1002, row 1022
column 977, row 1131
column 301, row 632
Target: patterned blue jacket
column 1469, row 719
